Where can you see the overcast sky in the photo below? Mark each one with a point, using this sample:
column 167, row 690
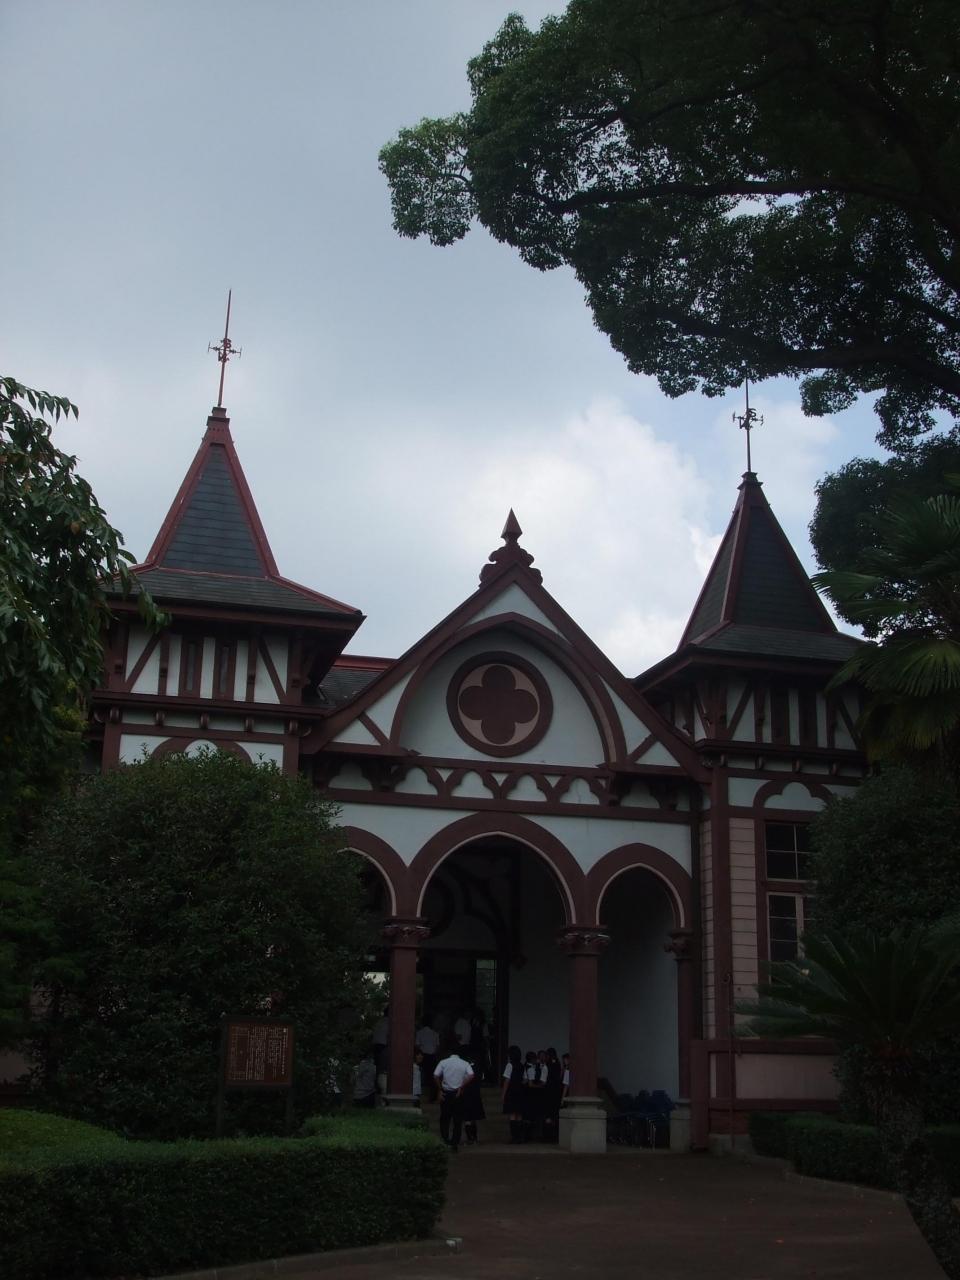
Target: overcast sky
column 393, row 400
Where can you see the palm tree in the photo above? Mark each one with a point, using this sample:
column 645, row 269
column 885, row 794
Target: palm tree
column 910, row 592
column 892, row 996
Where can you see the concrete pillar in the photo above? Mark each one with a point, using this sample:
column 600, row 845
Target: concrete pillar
column 404, row 936
column 583, row 1121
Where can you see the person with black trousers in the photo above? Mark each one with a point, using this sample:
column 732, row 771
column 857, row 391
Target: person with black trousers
column 472, row 1102
column 452, row 1075
column 511, row 1092
column 552, row 1097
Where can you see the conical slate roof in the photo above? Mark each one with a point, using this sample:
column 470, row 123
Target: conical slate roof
column 757, row 597
column 212, row 548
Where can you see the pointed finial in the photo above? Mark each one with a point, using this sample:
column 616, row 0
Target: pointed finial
column 511, row 530
column 747, row 421
column 511, row 553
column 224, row 349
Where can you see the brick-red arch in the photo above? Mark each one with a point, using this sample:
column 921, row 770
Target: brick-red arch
column 387, row 861
column 777, row 788
column 559, row 859
column 675, row 880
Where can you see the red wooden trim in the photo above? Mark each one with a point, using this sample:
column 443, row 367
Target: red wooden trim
column 164, row 672
column 148, row 651
column 373, row 728
column 388, row 862
column 815, row 788
column 264, row 651
column 722, row 927
column 739, row 709
column 469, row 830
column 347, row 795
column 668, row 871
column 644, row 746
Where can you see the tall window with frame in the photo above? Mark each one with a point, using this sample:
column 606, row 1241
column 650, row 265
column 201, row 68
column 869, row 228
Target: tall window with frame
column 790, row 907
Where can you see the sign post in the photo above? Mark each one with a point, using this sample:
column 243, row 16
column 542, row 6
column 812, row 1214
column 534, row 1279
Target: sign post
column 256, row 1054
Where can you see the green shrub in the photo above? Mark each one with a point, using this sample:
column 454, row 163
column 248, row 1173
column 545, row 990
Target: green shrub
column 822, row 1147
column 98, row 1208
column 24, row 1134
column 768, row 1132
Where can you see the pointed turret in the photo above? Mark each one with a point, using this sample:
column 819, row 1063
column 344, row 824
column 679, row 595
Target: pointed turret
column 756, row 578
column 212, row 548
column 757, row 601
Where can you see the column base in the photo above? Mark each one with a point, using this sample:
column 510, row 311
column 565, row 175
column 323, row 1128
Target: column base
column 583, row 1127
column 680, row 1126
column 401, row 1102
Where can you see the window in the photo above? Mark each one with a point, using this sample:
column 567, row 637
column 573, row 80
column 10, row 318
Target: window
column 224, row 669
column 788, row 916
column 190, row 661
column 788, row 847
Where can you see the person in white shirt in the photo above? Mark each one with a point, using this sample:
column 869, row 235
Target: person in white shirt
column 451, row 1074
column 428, row 1042
column 461, row 1030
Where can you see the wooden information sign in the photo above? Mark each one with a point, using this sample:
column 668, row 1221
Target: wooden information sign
column 258, row 1054
column 255, row 1053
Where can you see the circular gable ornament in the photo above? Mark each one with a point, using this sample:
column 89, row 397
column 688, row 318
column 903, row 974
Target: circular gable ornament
column 499, row 704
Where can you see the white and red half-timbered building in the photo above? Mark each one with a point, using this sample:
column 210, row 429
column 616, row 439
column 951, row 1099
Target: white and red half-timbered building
column 599, row 863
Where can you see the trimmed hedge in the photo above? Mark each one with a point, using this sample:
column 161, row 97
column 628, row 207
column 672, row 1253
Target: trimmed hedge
column 26, row 1134
column 101, row 1208
column 768, row 1132
column 823, row 1147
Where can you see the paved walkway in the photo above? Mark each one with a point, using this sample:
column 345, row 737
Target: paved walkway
column 526, row 1215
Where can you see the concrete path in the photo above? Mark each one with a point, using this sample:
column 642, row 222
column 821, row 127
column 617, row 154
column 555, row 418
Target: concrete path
column 527, row 1215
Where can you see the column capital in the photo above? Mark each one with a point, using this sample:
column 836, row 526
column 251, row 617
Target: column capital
column 578, row 940
column 405, row 931
column 680, row 944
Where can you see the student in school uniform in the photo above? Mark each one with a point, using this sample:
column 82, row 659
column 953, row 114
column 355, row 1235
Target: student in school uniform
column 472, row 1102
column 511, row 1092
column 428, row 1042
column 565, row 1077
column 533, row 1086
column 552, row 1097
column 453, row 1074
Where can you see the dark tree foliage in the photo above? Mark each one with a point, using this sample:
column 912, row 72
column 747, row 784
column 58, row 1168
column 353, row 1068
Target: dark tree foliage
column 844, row 531
column 886, row 859
column 744, row 188
column 57, row 549
column 182, row 890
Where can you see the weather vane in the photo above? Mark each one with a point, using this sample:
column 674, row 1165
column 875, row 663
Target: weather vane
column 748, row 420
column 224, row 349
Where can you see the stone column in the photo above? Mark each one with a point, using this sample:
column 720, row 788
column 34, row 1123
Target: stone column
column 404, row 936
column 681, row 945
column 583, row 1121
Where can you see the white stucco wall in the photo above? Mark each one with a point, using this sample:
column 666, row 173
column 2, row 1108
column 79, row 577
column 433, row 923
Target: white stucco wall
column 572, row 739
column 638, row 988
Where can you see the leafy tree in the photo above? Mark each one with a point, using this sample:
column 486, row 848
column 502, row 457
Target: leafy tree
column 908, row 589
column 893, row 997
column 182, row 889
column 885, row 859
column 744, row 188
column 56, row 550
column 844, row 529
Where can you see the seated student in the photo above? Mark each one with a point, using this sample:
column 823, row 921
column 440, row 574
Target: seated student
column 365, row 1081
column 453, row 1073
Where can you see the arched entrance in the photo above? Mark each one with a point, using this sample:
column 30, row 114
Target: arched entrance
column 494, row 908
column 638, row 986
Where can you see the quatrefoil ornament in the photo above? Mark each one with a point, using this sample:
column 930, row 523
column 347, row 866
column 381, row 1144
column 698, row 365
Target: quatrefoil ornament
column 499, row 703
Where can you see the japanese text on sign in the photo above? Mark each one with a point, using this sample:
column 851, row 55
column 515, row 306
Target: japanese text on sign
column 258, row 1053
